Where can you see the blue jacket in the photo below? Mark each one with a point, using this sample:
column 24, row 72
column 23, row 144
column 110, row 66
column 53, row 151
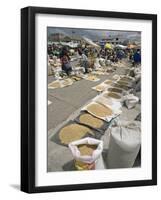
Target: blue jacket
column 137, row 57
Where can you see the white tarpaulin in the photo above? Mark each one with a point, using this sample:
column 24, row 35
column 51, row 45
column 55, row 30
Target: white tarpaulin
column 89, row 41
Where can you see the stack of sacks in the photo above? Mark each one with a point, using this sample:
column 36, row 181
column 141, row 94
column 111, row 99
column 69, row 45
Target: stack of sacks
column 124, row 146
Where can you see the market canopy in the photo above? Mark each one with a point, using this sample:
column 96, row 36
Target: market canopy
column 90, row 42
column 119, row 46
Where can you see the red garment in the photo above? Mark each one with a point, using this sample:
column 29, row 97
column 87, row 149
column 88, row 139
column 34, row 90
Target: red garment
column 64, row 59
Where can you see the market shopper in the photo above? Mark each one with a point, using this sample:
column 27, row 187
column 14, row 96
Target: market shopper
column 85, row 51
column 84, row 60
column 120, row 54
column 137, row 57
column 65, row 61
column 50, row 50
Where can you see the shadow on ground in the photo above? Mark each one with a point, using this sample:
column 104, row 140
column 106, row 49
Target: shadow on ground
column 15, row 186
column 69, row 166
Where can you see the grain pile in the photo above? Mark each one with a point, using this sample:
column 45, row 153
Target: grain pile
column 91, row 78
column 99, row 110
column 117, row 90
column 55, row 84
column 73, row 132
column 126, row 79
column 91, row 120
column 113, row 95
column 76, row 78
column 86, row 149
column 100, row 88
column 108, row 82
column 67, row 82
column 124, row 87
column 122, row 83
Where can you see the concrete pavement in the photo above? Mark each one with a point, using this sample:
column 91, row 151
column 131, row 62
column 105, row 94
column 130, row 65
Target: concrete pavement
column 66, row 104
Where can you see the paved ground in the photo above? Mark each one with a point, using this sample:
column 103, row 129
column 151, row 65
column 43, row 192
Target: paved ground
column 66, row 103
column 68, row 99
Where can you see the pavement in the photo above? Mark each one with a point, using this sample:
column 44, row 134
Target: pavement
column 68, row 99
column 65, row 104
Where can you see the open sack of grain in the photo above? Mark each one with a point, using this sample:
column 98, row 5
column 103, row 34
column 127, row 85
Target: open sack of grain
column 101, row 87
column 109, row 102
column 127, row 78
column 108, row 82
column 113, row 95
column 124, row 146
column 93, row 122
column 101, row 111
column 87, row 153
column 124, row 83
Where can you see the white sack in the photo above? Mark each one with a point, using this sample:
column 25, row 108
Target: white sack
column 97, row 64
column 131, row 101
column 86, row 158
column 124, row 146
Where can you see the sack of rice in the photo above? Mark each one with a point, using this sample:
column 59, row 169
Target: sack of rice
column 102, row 111
column 99, row 110
column 124, row 87
column 124, row 147
column 120, row 82
column 86, row 153
column 131, row 101
column 115, row 105
column 127, row 79
column 103, row 100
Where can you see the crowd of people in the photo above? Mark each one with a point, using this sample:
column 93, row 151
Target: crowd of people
column 84, row 53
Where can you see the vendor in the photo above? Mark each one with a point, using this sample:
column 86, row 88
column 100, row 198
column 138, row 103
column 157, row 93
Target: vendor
column 84, row 60
column 65, row 61
column 137, row 57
